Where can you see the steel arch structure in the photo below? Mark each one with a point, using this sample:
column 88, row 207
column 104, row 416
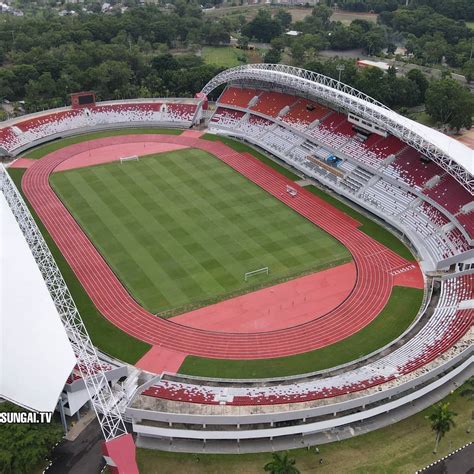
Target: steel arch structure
column 350, row 99
column 100, row 393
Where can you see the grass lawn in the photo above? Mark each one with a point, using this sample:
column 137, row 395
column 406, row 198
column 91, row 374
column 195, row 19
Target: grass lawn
column 400, row 448
column 180, row 229
column 470, row 24
column 242, row 147
column 347, row 17
column 43, row 150
column 400, row 311
column 423, row 118
column 104, row 335
column 223, row 56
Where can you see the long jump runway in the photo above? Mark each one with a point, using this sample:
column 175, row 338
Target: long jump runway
column 376, row 265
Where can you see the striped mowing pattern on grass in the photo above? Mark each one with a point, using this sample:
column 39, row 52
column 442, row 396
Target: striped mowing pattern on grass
column 182, row 228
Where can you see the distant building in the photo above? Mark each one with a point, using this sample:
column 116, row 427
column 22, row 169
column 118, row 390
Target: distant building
column 296, row 2
column 6, row 8
column 365, row 63
column 401, row 51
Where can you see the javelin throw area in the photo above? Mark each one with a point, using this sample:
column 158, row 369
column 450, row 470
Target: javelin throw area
column 329, row 306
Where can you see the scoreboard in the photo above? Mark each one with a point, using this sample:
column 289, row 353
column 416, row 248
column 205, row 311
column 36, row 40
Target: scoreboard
column 82, row 99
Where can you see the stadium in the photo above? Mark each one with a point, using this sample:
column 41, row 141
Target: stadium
column 280, row 261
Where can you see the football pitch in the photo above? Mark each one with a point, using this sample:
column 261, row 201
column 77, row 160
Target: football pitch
column 180, row 229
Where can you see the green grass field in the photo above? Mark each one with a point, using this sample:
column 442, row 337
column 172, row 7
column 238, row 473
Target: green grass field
column 401, row 448
column 43, row 150
column 397, row 315
column 223, row 56
column 180, row 229
column 470, row 24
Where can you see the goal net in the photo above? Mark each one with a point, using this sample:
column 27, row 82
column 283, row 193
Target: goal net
column 260, row 271
column 128, row 158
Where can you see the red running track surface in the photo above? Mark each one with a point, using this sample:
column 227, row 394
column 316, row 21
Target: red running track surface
column 22, row 163
column 159, row 359
column 277, row 307
column 374, row 263
column 114, row 153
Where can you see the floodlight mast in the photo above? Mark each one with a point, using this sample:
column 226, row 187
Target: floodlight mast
column 100, row 393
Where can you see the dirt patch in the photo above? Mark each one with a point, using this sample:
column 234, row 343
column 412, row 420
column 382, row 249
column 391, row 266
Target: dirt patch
column 467, row 138
column 348, row 17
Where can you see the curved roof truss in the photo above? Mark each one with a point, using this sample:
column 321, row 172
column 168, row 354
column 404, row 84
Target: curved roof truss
column 456, row 158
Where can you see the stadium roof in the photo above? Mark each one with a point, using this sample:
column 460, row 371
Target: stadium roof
column 453, row 156
column 35, row 354
column 459, row 152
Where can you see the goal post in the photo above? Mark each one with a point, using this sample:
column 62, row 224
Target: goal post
column 123, row 159
column 260, row 271
column 291, row 190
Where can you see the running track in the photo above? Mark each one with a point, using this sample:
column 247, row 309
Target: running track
column 375, row 263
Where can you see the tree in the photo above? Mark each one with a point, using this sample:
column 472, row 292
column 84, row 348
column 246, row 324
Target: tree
column 297, row 52
column 284, row 18
column 24, row 446
column 416, row 76
column 373, row 41
column 278, row 43
column 342, row 38
column 448, row 102
column 468, row 390
column 272, row 56
column 113, row 79
column 7, row 82
column 243, row 42
column 468, row 70
column 164, row 62
column 263, row 28
column 322, row 13
column 434, row 48
column 216, row 34
column 281, row 464
column 441, row 420
column 304, row 48
column 39, row 92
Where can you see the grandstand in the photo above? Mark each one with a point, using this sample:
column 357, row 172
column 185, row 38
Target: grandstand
column 414, row 179
column 18, row 134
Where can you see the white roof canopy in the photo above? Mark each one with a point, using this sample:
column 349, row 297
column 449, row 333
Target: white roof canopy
column 35, row 354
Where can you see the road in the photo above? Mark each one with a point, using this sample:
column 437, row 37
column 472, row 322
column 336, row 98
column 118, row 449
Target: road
column 403, row 68
column 83, row 455
column 461, row 462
